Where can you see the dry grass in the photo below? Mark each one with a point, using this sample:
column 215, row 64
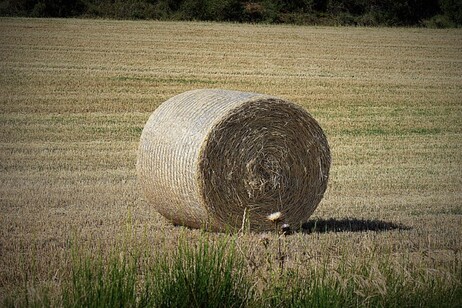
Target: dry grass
column 75, row 95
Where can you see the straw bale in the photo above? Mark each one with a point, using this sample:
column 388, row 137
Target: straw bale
column 208, row 156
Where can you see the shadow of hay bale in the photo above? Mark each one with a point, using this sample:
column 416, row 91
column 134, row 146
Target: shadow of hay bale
column 349, row 225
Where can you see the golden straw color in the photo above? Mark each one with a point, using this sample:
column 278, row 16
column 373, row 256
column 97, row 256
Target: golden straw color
column 207, row 156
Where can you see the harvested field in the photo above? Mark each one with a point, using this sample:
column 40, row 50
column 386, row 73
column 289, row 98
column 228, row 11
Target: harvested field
column 76, row 94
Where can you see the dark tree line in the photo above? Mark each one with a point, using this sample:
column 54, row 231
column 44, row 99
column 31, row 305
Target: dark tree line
column 431, row 13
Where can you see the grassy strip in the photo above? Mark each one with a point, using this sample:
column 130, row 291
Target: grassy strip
column 212, row 273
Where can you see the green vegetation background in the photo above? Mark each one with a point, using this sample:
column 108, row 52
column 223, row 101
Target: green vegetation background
column 426, row 13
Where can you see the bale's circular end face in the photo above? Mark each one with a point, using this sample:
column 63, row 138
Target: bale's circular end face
column 269, row 156
column 231, row 153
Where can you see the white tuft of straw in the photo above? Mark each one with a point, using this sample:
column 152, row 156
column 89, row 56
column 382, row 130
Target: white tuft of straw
column 274, row 217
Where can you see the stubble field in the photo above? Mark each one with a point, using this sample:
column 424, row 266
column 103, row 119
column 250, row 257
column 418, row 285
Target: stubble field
column 75, row 95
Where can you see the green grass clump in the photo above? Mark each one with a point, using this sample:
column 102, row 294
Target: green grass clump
column 102, row 283
column 202, row 275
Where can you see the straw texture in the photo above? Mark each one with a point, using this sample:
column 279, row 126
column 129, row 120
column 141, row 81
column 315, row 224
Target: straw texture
column 208, row 156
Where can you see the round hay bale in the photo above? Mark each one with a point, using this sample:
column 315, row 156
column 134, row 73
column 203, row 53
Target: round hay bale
column 208, row 156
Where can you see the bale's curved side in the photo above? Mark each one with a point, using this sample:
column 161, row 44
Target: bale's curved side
column 206, row 155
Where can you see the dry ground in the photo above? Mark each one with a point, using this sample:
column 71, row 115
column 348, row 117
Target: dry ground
column 75, row 95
